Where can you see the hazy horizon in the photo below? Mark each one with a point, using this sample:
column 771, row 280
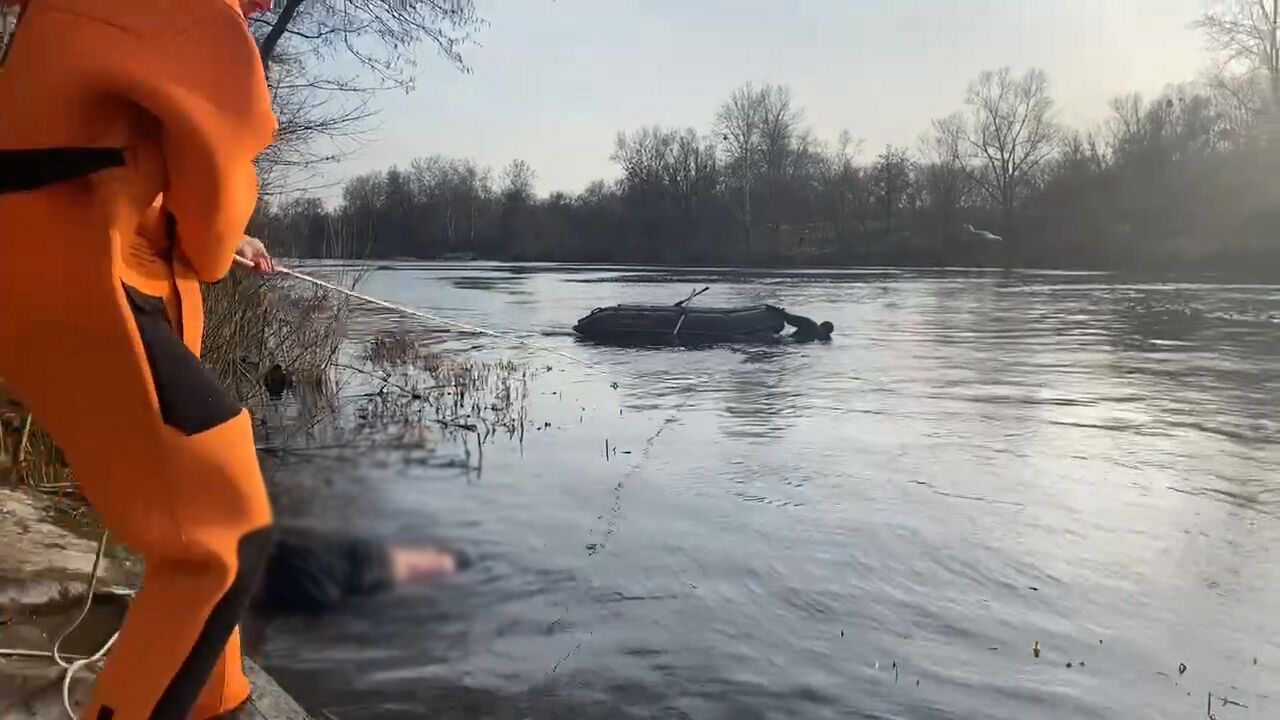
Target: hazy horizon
column 553, row 81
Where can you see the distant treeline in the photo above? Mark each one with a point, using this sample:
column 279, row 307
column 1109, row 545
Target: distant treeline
column 1185, row 180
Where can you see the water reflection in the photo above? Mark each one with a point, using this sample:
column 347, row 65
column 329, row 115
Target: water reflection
column 513, row 285
column 758, row 397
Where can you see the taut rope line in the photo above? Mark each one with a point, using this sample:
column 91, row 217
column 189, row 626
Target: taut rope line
column 424, row 315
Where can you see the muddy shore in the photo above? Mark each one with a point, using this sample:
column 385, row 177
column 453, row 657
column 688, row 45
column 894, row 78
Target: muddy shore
column 44, row 577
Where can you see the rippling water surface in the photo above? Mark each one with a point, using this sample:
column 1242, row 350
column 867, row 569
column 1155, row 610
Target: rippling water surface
column 880, row 527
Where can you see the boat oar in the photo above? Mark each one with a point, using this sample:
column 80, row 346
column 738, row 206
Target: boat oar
column 692, row 295
column 681, row 305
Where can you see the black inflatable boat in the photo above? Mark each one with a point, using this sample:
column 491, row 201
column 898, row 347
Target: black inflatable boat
column 682, row 325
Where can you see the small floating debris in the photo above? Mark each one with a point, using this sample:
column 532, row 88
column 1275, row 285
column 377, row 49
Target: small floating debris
column 1228, row 701
column 1182, row 669
column 1035, row 648
column 1070, row 665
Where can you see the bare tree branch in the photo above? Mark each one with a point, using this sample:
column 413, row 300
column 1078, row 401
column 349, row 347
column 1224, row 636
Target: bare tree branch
column 324, row 114
column 1011, row 133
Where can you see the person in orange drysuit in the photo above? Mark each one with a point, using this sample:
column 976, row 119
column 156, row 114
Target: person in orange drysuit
column 128, row 129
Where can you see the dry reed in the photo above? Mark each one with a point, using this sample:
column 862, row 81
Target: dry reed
column 457, row 391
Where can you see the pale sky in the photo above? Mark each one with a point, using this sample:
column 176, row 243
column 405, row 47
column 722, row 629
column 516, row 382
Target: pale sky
column 554, row 80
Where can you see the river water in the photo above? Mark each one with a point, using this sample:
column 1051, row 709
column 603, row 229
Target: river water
column 881, row 527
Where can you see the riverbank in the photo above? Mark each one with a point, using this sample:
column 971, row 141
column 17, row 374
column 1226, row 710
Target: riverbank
column 44, row 580
column 44, row 574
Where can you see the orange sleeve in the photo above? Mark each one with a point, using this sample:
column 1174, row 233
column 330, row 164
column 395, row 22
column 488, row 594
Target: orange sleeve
column 195, row 67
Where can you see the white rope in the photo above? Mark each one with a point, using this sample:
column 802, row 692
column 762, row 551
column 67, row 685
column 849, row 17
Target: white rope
column 431, row 317
column 73, row 663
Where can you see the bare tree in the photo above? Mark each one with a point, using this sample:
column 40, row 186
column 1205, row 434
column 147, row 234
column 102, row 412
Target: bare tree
column 317, row 126
column 1011, row 133
column 381, row 35
column 645, row 156
column 454, row 187
column 1245, row 33
column 675, row 165
column 760, row 139
column 740, row 127
column 327, row 58
column 1241, row 101
column 779, row 129
column 945, row 178
column 844, row 186
column 693, row 172
column 1126, row 121
column 518, row 178
column 891, row 181
column 784, row 149
column 1246, row 36
column 1080, row 152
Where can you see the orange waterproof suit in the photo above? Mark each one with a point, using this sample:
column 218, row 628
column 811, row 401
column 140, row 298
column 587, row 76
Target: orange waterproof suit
column 127, row 134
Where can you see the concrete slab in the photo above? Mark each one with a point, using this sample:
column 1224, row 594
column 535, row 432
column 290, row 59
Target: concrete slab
column 42, row 563
column 269, row 701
